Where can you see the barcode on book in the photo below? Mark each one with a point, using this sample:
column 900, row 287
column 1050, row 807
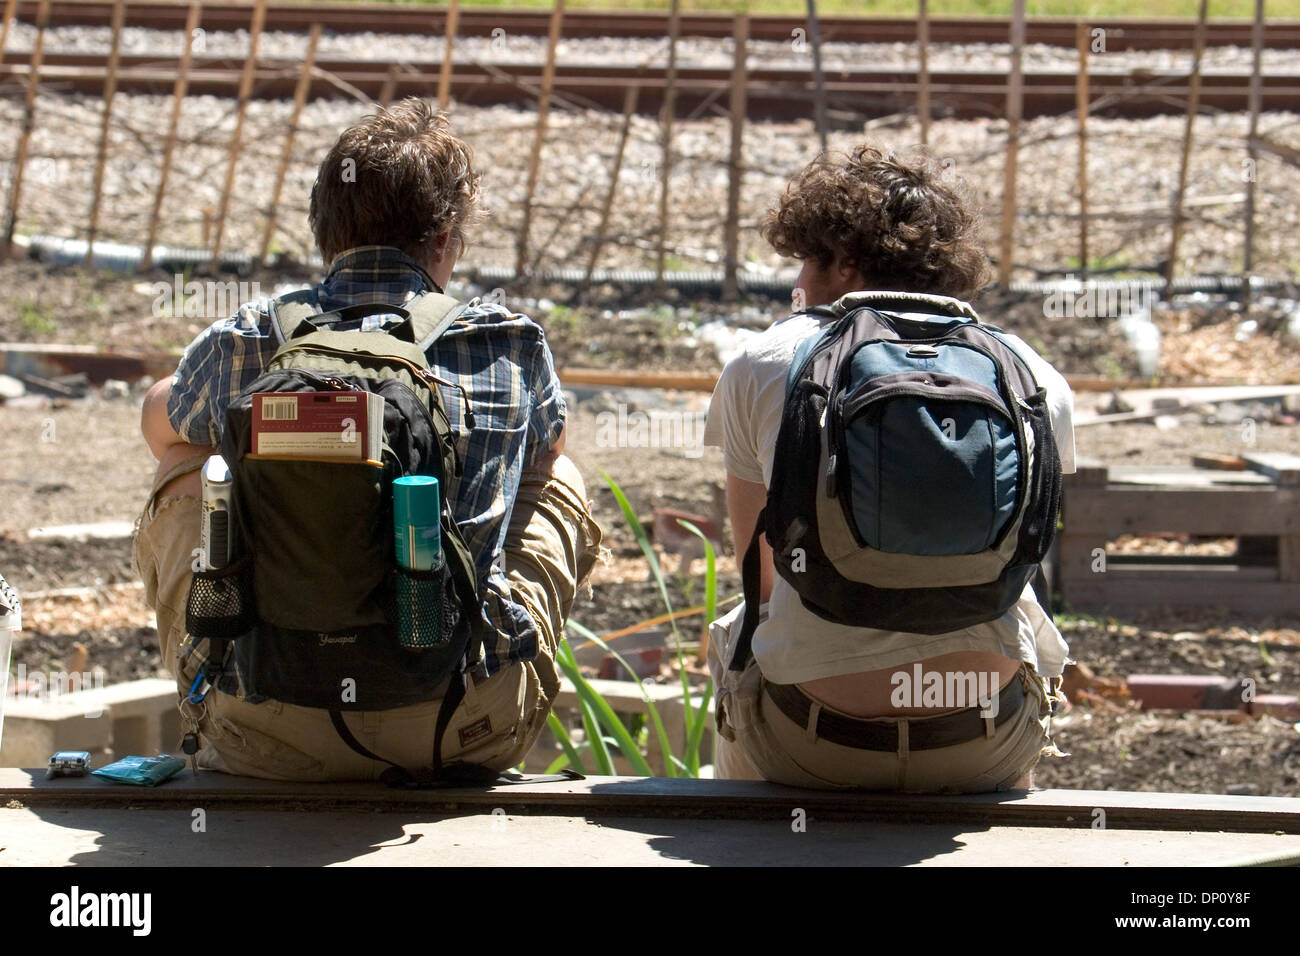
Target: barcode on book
column 280, row 409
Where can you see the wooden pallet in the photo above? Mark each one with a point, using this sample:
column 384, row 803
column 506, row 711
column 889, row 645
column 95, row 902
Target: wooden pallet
column 680, row 797
column 1260, row 507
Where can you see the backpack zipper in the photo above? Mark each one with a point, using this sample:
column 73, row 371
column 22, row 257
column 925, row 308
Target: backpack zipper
column 838, row 447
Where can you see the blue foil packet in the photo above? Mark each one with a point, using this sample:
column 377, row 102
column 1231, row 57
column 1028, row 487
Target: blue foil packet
column 141, row 771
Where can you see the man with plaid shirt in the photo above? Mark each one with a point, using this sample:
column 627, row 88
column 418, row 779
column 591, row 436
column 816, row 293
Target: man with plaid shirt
column 391, row 231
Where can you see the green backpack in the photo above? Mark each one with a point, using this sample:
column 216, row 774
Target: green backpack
column 309, row 601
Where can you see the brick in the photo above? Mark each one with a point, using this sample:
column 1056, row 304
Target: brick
column 1186, row 691
column 1281, row 706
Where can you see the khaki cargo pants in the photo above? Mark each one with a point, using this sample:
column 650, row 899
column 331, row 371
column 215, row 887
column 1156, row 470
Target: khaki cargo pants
column 551, row 547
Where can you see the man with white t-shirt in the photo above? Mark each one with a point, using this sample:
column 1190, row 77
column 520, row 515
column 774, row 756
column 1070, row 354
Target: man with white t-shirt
column 819, row 703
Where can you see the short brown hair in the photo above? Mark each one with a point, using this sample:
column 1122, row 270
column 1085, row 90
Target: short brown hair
column 398, row 178
column 895, row 222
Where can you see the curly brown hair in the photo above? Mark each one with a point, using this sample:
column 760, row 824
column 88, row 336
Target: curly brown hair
column 894, row 221
column 398, row 178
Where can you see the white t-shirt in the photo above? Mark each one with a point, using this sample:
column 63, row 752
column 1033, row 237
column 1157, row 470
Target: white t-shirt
column 793, row 644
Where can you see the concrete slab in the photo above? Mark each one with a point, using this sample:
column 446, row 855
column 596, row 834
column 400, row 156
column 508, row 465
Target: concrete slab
column 233, row 836
column 81, row 532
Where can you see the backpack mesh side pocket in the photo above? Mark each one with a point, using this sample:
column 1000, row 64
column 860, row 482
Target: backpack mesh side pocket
column 220, row 603
column 425, row 607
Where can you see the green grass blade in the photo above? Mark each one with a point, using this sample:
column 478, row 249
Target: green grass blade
column 569, row 664
column 661, row 733
column 609, row 720
column 597, row 713
column 599, row 752
column 571, row 755
column 710, row 572
column 643, row 540
column 695, row 717
column 696, row 735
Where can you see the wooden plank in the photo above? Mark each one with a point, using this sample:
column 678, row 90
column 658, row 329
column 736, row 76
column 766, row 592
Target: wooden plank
column 1120, row 591
column 448, row 53
column 666, row 117
column 1087, row 472
column 735, row 164
column 1225, row 511
column 1077, row 556
column 1175, row 476
column 1219, row 462
column 169, row 147
column 1200, row 569
column 1193, row 103
column 1145, row 401
column 1281, row 467
column 101, row 154
column 10, row 6
column 1288, row 154
column 236, row 139
column 1081, row 37
column 286, row 152
column 539, row 138
column 923, row 68
column 1015, row 108
column 658, row 796
column 819, row 77
column 1288, row 558
column 1252, row 151
column 390, row 86
column 25, row 133
column 602, row 230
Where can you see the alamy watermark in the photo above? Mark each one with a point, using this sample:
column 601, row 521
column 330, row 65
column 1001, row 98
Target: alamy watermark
column 75, row 908
column 201, row 299
column 1073, row 299
column 49, row 687
column 638, row 429
column 948, row 689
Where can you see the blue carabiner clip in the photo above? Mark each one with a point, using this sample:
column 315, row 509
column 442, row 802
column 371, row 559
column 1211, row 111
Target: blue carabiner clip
column 206, row 687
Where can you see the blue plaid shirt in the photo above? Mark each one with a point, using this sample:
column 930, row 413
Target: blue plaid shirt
column 498, row 357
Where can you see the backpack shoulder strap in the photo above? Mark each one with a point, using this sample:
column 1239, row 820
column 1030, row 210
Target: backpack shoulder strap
column 291, row 310
column 431, row 315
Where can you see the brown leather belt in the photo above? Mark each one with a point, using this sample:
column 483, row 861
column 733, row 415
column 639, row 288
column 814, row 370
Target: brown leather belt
column 873, row 734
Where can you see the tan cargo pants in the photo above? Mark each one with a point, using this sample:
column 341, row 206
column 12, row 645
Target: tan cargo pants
column 551, row 546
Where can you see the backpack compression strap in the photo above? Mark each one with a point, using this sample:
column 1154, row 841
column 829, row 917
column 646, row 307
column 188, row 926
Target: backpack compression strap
column 751, row 580
column 452, row 775
column 398, row 776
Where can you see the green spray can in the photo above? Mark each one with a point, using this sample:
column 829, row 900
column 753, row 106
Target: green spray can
column 417, row 539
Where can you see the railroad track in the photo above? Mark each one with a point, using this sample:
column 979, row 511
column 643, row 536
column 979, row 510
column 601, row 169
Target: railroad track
column 771, row 93
column 1121, row 33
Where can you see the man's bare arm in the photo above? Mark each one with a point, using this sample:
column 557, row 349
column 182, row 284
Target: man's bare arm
column 548, row 460
column 166, row 444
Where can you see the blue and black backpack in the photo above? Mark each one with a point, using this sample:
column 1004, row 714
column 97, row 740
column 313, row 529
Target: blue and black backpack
column 916, row 483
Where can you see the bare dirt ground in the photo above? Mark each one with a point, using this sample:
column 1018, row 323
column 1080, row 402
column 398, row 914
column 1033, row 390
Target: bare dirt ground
column 82, row 461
